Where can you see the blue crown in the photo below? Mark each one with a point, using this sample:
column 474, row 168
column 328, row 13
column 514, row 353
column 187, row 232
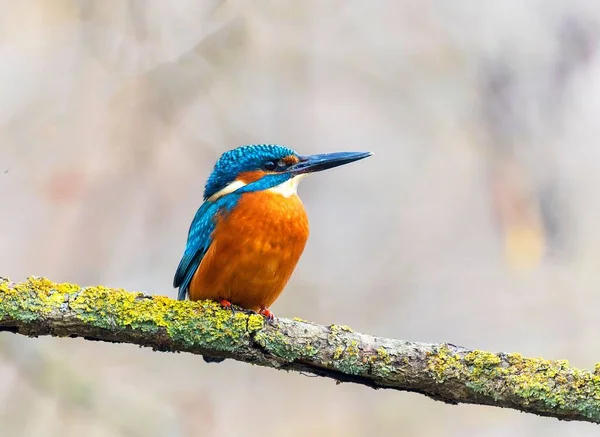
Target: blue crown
column 240, row 160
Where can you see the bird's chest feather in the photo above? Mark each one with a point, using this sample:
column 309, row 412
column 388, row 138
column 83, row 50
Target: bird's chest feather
column 254, row 250
column 265, row 223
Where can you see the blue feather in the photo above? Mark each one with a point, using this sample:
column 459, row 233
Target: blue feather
column 199, row 240
column 227, row 168
column 240, row 159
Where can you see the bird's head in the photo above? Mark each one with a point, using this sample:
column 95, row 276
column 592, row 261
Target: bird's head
column 269, row 166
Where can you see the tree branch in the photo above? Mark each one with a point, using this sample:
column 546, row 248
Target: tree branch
column 443, row 372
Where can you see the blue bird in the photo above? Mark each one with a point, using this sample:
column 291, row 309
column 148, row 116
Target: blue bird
column 247, row 237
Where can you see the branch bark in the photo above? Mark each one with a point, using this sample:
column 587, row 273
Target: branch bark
column 444, row 372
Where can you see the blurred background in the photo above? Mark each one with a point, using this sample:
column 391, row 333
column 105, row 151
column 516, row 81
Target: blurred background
column 475, row 222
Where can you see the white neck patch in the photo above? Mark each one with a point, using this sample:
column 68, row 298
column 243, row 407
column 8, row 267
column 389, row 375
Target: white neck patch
column 230, row 188
column 289, row 187
column 286, row 189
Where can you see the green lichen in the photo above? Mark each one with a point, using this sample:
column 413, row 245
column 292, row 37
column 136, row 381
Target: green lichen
column 536, row 385
column 547, row 385
column 344, row 357
column 200, row 324
column 280, row 345
column 347, row 357
column 32, row 299
column 384, row 368
column 349, row 360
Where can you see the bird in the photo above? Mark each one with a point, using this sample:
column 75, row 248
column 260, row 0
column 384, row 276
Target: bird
column 249, row 233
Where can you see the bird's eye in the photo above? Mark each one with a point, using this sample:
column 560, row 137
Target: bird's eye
column 269, row 165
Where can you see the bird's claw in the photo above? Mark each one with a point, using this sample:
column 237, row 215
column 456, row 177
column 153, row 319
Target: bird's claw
column 267, row 314
column 227, row 305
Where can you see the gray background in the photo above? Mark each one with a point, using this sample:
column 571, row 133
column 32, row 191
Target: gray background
column 475, row 222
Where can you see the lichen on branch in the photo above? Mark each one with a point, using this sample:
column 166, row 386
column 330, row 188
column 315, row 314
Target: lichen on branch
column 444, row 372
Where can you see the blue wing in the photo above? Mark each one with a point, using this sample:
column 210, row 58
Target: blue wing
column 199, row 239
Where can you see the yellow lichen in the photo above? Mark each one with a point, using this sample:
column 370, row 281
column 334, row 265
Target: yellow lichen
column 336, row 329
column 255, row 322
column 187, row 322
column 444, row 364
column 383, row 355
column 298, row 319
column 205, row 326
column 553, row 383
column 337, row 354
column 479, row 361
column 352, row 349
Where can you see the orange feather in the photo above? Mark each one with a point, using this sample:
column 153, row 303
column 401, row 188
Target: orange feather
column 254, row 251
column 251, row 176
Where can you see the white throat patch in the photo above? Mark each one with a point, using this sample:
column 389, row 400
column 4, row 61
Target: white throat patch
column 289, row 187
column 286, row 189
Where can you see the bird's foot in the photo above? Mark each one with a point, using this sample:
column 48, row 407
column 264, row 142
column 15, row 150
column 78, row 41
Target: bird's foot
column 267, row 314
column 227, row 305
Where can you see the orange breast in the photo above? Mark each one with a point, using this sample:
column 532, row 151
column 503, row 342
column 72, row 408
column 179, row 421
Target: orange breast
column 254, row 250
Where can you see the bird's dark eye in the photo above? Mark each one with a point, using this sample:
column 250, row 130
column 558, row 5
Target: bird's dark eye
column 269, row 165
column 278, row 165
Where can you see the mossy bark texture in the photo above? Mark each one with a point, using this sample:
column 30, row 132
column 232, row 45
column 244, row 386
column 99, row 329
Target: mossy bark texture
column 444, row 372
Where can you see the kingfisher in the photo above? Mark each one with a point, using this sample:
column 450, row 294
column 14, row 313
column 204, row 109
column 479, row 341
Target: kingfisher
column 247, row 236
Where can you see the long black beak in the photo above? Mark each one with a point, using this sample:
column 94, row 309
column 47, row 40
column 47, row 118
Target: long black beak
column 314, row 163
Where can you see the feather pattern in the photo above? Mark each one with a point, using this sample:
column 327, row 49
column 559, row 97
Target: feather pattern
column 199, row 239
column 243, row 159
column 254, row 250
column 203, row 225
